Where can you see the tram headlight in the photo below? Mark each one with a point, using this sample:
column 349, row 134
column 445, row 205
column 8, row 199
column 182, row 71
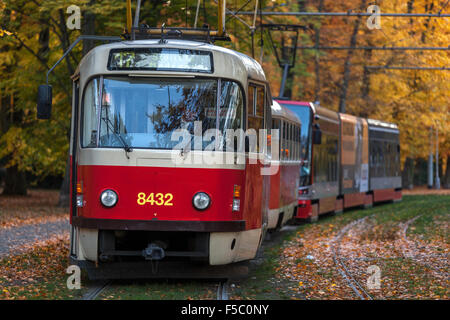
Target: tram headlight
column 109, row 198
column 201, row 201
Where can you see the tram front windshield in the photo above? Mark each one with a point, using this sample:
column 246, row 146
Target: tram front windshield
column 145, row 112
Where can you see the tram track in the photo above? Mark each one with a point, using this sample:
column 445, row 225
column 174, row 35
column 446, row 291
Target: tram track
column 409, row 250
column 95, row 289
column 222, row 290
column 343, row 269
column 403, row 237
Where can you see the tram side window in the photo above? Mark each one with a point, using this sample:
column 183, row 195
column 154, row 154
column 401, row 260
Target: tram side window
column 375, row 159
column 299, row 141
column 294, row 149
column 294, row 139
column 283, row 146
column 387, row 159
column 276, row 126
column 393, row 154
column 251, row 100
column 380, row 164
column 333, row 152
column 297, row 147
column 231, row 113
column 231, row 106
column 325, row 159
column 372, row 159
column 255, row 109
column 281, row 140
column 397, row 159
column 259, row 112
column 90, row 112
column 288, row 142
column 291, row 141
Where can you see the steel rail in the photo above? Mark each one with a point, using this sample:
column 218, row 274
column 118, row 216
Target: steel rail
column 222, row 292
column 345, row 14
column 342, row 267
column 96, row 289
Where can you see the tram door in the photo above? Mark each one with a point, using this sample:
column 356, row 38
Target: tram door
column 256, row 184
column 73, row 160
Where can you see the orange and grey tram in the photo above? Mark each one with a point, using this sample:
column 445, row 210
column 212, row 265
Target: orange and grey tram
column 346, row 161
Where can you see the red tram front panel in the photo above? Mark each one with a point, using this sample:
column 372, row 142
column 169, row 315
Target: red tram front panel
column 160, row 193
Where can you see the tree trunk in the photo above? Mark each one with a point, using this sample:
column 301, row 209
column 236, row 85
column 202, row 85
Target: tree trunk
column 446, row 177
column 15, row 182
column 2, row 176
column 346, row 78
column 64, row 192
column 317, row 58
column 89, row 28
column 408, row 174
column 365, row 88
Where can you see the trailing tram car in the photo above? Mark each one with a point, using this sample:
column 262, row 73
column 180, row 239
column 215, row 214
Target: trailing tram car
column 285, row 182
column 385, row 180
column 354, row 162
column 347, row 161
column 133, row 198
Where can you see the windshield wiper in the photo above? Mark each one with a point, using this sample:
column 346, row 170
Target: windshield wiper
column 126, row 147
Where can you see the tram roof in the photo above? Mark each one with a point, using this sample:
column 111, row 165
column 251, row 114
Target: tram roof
column 227, row 63
column 278, row 111
column 382, row 124
column 293, row 102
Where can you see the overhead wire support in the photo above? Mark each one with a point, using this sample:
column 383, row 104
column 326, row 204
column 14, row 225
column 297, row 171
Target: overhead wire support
column 371, row 48
column 408, row 68
column 346, row 14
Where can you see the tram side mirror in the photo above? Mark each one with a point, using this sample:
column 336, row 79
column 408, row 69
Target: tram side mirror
column 317, row 134
column 44, row 102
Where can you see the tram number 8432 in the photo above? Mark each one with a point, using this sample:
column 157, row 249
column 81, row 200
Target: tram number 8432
column 159, row 199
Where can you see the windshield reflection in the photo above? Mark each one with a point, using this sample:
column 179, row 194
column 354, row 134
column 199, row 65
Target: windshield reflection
column 144, row 113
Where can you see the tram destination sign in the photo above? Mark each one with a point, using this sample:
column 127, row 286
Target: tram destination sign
column 161, row 59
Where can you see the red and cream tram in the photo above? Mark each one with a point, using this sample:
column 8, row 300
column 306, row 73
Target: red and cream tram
column 137, row 195
column 347, row 161
column 284, row 183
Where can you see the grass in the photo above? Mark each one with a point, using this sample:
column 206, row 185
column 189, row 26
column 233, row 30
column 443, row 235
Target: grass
column 40, row 273
column 37, row 206
column 160, row 290
column 262, row 283
column 404, row 278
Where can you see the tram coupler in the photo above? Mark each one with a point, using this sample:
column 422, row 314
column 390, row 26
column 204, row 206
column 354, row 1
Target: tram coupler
column 153, row 252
